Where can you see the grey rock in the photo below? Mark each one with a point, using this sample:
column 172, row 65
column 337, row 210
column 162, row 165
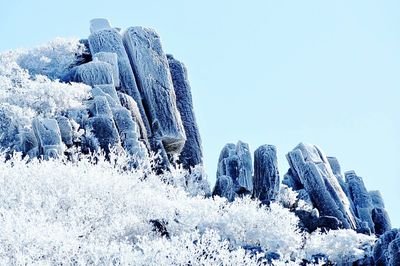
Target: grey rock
column 329, row 222
column 93, row 73
column 151, row 69
column 109, row 40
column 336, row 169
column 191, row 154
column 97, row 24
column 381, row 251
column 101, row 131
column 112, row 59
column 394, row 252
column 128, row 134
column 381, row 221
column 48, row 136
column 224, row 187
column 315, row 173
column 235, row 162
column 99, row 106
column 292, row 180
column 266, row 174
column 66, row 130
column 376, row 199
column 129, row 103
column 379, row 215
column 28, row 144
column 360, row 198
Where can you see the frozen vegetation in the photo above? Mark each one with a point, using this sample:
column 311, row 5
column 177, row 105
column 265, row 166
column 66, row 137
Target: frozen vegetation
column 101, row 164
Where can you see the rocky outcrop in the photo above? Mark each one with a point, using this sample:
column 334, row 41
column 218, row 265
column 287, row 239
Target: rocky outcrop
column 234, row 173
column 266, row 174
column 151, row 69
column 385, row 253
column 361, row 200
column 48, row 137
column 313, row 170
column 140, row 118
column 332, row 201
column 107, row 39
column 192, row 153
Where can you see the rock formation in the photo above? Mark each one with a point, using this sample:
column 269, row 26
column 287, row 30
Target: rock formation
column 313, row 170
column 192, row 153
column 266, row 174
column 234, row 173
column 316, row 178
column 150, row 65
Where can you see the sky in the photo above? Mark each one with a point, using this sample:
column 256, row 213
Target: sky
column 265, row 72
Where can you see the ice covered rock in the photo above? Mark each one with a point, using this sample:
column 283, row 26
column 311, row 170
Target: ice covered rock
column 224, row 187
column 66, row 130
column 394, row 252
column 336, row 169
column 128, row 134
column 93, row 73
column 27, row 144
column 48, row 136
column 360, row 198
column 112, row 59
column 151, row 69
column 129, row 103
column 292, row 180
column 379, row 215
column 235, row 162
column 191, row 154
column 314, row 171
column 266, row 175
column 101, row 131
column 97, row 24
column 109, row 40
column 100, row 90
column 382, row 253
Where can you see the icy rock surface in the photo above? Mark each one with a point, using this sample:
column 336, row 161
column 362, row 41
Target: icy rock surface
column 151, row 69
column 235, row 164
column 383, row 252
column 191, row 154
column 361, row 199
column 266, row 174
column 112, row 59
column 93, row 73
column 48, row 136
column 315, row 173
column 110, row 40
column 97, row 24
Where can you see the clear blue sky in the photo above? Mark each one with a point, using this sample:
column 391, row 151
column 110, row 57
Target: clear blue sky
column 276, row 72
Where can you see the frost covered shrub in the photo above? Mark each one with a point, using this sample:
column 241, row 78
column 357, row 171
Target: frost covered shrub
column 53, row 59
column 343, row 246
column 59, row 211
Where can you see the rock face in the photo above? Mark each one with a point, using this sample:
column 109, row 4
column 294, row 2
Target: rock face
column 138, row 99
column 191, row 154
column 93, row 73
column 266, row 174
column 379, row 215
column 48, row 136
column 385, row 253
column 312, row 168
column 361, row 199
column 234, row 171
column 151, row 69
column 109, row 40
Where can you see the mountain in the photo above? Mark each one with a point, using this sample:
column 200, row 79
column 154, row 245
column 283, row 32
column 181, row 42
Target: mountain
column 102, row 164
